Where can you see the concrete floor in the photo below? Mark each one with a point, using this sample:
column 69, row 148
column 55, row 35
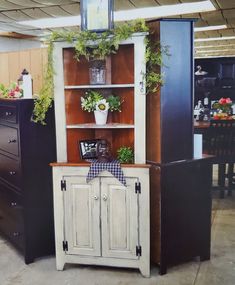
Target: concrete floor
column 220, row 270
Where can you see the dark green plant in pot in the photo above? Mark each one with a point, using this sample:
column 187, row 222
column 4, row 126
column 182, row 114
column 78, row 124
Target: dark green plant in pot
column 125, row 154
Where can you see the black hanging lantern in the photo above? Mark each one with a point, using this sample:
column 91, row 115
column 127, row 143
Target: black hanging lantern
column 96, row 15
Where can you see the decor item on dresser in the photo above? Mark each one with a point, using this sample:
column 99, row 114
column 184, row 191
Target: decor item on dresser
column 12, row 91
column 26, row 207
column 222, row 109
column 95, row 101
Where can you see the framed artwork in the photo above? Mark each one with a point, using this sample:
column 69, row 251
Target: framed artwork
column 88, row 149
column 96, row 15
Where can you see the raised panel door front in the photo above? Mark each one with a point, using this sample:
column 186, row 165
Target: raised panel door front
column 119, row 218
column 82, row 216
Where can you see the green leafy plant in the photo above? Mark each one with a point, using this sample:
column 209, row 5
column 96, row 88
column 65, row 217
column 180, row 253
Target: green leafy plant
column 114, row 103
column 89, row 101
column 125, row 154
column 92, row 98
column 43, row 101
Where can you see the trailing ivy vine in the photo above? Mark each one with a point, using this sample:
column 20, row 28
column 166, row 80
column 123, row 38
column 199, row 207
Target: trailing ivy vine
column 43, row 101
column 106, row 43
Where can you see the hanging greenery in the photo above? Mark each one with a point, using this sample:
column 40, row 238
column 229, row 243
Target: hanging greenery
column 106, row 43
column 44, row 100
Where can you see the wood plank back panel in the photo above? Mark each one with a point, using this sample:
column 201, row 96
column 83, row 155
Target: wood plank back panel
column 74, row 112
column 125, row 60
column 153, row 116
column 75, row 72
column 126, row 116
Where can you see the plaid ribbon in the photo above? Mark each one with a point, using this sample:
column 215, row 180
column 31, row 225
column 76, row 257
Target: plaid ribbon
column 113, row 167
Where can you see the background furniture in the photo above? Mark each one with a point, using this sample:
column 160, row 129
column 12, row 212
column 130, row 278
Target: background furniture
column 219, row 80
column 111, row 227
column 180, row 185
column 26, row 148
column 219, row 140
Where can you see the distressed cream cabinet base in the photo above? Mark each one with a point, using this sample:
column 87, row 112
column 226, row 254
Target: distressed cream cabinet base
column 102, row 222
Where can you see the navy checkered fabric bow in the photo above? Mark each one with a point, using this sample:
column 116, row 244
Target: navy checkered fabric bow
column 113, row 167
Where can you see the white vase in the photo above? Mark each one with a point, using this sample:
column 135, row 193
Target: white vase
column 101, row 117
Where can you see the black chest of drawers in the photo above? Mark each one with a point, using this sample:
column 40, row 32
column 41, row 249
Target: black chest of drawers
column 26, row 149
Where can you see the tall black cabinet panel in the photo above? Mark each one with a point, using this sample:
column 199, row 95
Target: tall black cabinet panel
column 26, row 149
column 180, row 184
column 176, row 99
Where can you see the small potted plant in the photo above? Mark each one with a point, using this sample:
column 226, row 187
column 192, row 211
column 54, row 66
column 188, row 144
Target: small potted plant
column 94, row 101
column 125, row 154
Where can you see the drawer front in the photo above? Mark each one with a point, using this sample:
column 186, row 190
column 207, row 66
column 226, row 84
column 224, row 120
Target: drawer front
column 11, row 216
column 9, row 140
column 8, row 114
column 10, row 170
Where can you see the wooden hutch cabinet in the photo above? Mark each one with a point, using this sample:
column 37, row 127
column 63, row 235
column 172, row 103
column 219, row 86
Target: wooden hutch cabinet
column 101, row 222
column 160, row 129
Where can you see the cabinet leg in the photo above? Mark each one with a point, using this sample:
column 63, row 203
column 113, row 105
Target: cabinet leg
column 59, row 265
column 162, row 269
column 145, row 271
column 205, row 257
column 28, row 259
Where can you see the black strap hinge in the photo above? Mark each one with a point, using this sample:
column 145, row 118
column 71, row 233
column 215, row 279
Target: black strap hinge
column 137, row 187
column 63, row 185
column 65, row 245
column 138, row 250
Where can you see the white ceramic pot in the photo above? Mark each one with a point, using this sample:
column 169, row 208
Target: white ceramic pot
column 101, row 117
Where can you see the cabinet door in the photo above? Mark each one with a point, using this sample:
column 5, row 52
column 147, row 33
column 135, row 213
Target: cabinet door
column 82, row 216
column 119, row 218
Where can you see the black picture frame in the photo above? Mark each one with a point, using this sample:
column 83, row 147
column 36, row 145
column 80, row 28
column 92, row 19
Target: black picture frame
column 96, row 15
column 88, row 148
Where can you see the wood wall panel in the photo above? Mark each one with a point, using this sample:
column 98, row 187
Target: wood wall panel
column 36, row 68
column 14, row 67
column 12, row 64
column 4, row 68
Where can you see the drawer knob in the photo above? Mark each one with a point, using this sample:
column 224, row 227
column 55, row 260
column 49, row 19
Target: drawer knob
column 96, row 197
column 11, row 140
column 13, row 204
column 8, row 114
column 12, row 172
column 16, row 234
column 105, row 197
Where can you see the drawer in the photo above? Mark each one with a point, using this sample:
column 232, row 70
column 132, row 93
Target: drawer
column 11, row 216
column 9, row 139
column 8, row 114
column 10, row 170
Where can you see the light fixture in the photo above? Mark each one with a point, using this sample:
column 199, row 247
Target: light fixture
column 96, row 15
column 210, row 28
column 215, row 39
column 215, row 50
column 143, row 13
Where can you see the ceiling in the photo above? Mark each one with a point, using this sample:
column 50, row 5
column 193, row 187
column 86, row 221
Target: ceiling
column 12, row 11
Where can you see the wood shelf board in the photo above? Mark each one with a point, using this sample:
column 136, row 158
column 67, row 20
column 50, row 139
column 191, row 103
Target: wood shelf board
column 100, row 86
column 94, row 126
column 84, row 164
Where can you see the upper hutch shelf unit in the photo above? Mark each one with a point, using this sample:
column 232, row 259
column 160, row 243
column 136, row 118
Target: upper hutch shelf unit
column 71, row 82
